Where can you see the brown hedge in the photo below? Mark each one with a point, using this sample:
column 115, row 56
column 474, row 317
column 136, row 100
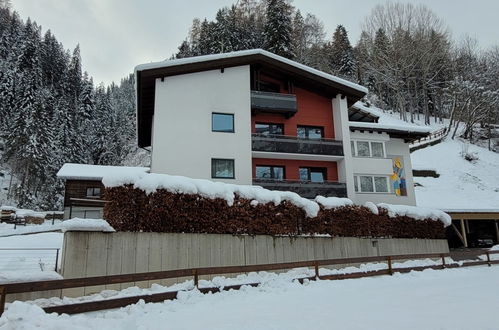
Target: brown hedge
column 132, row 209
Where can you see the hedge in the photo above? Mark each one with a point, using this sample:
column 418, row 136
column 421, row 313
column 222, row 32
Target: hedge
column 131, row 209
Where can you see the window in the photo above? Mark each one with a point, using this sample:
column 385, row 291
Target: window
column 377, row 149
column 372, row 184
column 363, row 149
column 270, row 172
column 222, row 122
column 312, row 174
column 310, row 132
column 222, row 168
column 93, row 192
column 368, row 149
column 269, row 129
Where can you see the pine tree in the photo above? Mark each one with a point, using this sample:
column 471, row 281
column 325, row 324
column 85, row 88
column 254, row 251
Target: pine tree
column 278, row 28
column 342, row 59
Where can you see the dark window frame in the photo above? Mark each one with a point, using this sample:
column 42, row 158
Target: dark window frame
column 311, row 169
column 272, row 172
column 213, row 172
column 276, row 124
column 225, row 114
column 308, row 127
column 93, row 190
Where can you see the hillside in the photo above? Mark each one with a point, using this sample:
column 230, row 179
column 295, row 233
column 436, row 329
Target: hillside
column 462, row 184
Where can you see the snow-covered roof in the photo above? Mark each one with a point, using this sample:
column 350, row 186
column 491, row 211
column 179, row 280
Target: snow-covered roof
column 388, row 122
column 401, row 128
column 205, row 58
column 96, row 172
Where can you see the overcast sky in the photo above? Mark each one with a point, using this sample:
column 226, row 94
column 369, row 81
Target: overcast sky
column 116, row 35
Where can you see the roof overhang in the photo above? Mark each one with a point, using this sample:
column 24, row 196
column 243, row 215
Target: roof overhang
column 397, row 133
column 300, row 74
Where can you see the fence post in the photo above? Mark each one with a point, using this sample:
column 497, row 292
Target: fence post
column 316, row 266
column 56, row 259
column 2, row 299
column 443, row 261
column 196, row 279
column 390, row 270
column 488, row 258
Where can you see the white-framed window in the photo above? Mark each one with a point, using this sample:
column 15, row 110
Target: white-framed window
column 371, row 184
column 372, row 149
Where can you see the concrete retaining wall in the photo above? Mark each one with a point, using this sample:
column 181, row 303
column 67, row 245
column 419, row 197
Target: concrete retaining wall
column 93, row 254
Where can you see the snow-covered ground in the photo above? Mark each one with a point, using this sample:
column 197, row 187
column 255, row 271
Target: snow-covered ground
column 462, row 184
column 432, row 299
column 18, row 264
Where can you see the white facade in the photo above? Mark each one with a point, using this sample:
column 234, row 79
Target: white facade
column 382, row 167
column 183, row 142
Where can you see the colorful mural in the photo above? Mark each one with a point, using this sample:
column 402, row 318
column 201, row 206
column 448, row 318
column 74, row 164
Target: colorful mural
column 399, row 183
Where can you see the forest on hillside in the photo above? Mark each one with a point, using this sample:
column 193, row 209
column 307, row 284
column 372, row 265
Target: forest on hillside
column 51, row 112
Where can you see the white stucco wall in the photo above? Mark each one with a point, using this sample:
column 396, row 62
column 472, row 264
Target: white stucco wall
column 183, row 142
column 342, row 133
column 384, row 167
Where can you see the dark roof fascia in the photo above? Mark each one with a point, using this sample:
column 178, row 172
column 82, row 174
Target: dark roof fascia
column 394, row 133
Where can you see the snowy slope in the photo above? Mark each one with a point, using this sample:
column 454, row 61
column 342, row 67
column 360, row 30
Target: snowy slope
column 420, row 300
column 462, row 184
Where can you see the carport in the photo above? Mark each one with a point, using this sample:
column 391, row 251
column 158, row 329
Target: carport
column 479, row 222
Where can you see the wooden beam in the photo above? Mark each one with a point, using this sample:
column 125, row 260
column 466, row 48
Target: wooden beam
column 458, row 233
column 463, row 232
column 474, row 215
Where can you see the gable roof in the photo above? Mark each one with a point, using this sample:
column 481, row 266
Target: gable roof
column 146, row 75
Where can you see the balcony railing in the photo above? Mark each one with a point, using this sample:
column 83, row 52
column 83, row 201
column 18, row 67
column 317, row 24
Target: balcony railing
column 274, row 102
column 305, row 189
column 296, row 145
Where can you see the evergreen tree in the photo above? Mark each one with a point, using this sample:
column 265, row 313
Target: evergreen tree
column 278, row 28
column 342, row 56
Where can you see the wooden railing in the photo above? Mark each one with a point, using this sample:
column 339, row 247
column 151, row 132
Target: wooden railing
column 433, row 137
column 196, row 272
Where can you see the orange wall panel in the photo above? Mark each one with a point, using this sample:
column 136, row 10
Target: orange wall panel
column 313, row 110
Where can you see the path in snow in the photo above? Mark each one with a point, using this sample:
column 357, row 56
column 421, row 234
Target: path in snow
column 434, row 299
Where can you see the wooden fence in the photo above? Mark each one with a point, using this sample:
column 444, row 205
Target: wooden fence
column 196, row 272
column 433, row 138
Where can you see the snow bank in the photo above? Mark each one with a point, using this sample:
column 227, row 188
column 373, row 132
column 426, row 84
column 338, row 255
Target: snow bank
column 333, row 202
column 78, row 224
column 209, row 189
column 418, row 213
column 17, row 276
column 494, row 248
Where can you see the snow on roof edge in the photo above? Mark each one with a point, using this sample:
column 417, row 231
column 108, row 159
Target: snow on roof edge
column 72, row 171
column 402, row 128
column 204, row 58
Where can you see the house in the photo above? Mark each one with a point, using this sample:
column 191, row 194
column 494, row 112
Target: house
column 252, row 117
column 83, row 197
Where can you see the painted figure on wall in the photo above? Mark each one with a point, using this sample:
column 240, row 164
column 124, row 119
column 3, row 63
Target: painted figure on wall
column 398, row 177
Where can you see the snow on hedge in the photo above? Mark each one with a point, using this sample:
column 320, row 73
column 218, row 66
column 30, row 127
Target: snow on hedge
column 372, row 207
column 333, row 202
column 151, row 182
column 78, row 224
column 418, row 213
column 209, row 189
